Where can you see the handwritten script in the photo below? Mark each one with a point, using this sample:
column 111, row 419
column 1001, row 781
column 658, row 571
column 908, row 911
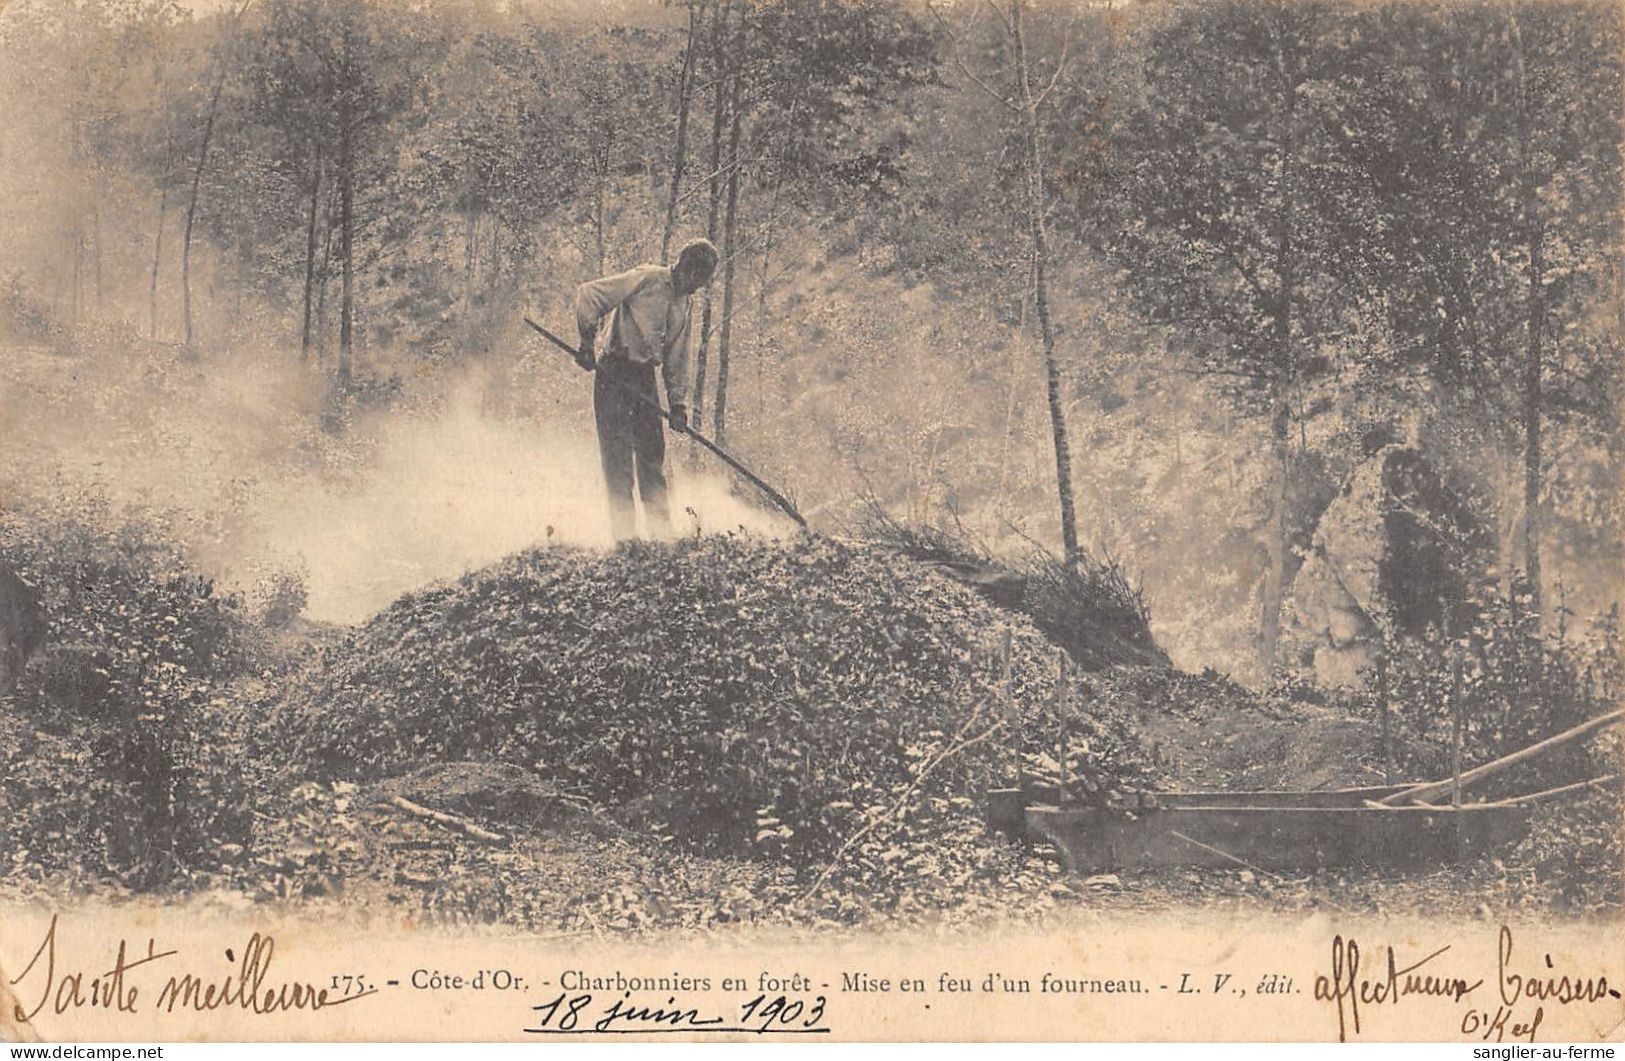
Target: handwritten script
column 583, row 1014
column 1513, row 1007
column 126, row 984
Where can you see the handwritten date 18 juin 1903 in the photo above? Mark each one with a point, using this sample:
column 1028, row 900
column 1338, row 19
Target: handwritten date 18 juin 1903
column 1481, row 1014
column 586, row 1014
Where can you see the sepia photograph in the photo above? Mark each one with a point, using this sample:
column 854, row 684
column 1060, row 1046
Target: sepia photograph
column 728, row 518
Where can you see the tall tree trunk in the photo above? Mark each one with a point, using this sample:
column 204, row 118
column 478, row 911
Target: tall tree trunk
column 77, row 246
column 96, row 239
column 469, row 242
column 346, row 250
column 1269, row 620
column 601, row 155
column 1040, row 266
column 326, row 275
column 1535, row 328
column 770, row 234
column 729, row 257
column 1001, row 493
column 78, row 274
column 310, row 250
column 769, row 237
column 1286, row 356
column 191, row 206
column 719, row 106
column 680, row 150
column 243, row 254
column 157, row 259
column 487, row 239
column 1532, row 401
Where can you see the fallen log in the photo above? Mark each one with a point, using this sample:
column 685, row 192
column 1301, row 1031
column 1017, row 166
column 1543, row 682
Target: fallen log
column 1427, row 791
column 449, row 821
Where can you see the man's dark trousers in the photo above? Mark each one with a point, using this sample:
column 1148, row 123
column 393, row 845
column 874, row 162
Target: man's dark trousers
column 631, row 439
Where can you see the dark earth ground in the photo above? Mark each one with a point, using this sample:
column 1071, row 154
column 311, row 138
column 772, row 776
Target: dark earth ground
column 337, row 850
column 557, row 859
column 587, row 880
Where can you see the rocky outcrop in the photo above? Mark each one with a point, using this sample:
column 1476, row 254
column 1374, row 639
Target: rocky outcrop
column 1392, row 554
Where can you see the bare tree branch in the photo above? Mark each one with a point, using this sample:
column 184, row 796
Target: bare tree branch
column 744, row 247
column 1246, row 273
column 1060, row 63
column 1009, row 27
column 961, row 742
column 959, row 61
column 717, row 174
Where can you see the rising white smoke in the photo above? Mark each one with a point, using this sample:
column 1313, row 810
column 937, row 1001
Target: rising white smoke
column 443, row 494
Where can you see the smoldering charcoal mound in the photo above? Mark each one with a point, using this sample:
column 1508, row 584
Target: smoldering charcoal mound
column 740, row 695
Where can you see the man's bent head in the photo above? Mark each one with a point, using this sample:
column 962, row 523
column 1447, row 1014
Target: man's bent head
column 695, row 264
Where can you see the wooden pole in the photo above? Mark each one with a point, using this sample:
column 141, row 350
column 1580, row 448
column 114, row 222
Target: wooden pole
column 1551, row 793
column 1009, row 706
column 449, row 821
column 1383, row 708
column 1457, row 711
column 1478, row 773
column 157, row 259
column 643, row 399
column 1063, row 729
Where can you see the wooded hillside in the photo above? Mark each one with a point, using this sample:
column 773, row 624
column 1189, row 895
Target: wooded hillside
column 1146, row 281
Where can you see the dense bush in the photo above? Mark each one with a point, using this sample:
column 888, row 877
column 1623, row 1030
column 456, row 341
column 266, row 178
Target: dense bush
column 1088, row 607
column 279, row 598
column 740, row 695
column 114, row 755
column 1517, row 683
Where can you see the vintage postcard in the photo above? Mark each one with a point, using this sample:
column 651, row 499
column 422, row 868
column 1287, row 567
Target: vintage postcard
column 819, row 519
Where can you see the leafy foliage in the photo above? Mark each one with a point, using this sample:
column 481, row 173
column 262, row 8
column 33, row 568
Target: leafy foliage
column 1088, row 607
column 1345, row 219
column 739, row 695
column 1513, row 685
column 123, row 702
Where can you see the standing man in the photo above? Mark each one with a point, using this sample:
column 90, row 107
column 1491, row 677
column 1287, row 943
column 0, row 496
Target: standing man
column 648, row 326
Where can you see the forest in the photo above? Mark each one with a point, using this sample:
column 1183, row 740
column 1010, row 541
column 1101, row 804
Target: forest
column 1294, row 326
